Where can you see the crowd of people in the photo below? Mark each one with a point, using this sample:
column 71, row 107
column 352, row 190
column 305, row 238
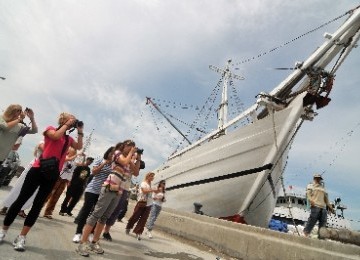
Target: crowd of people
column 105, row 187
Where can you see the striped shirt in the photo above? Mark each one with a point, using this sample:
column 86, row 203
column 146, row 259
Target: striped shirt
column 95, row 184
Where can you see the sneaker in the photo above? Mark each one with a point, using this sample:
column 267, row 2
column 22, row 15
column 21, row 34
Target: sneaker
column 19, row 243
column 77, row 238
column 96, row 248
column 127, row 231
column 148, row 233
column 138, row 237
column 69, row 214
column 2, row 235
column 82, row 249
column 107, row 236
column 62, row 213
column 91, row 237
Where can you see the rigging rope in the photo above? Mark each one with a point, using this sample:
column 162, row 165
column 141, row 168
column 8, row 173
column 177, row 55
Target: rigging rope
column 294, row 39
column 290, row 211
column 336, row 148
column 348, row 134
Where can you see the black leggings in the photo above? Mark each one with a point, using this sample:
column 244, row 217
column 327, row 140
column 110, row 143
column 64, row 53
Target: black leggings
column 33, row 180
column 90, row 200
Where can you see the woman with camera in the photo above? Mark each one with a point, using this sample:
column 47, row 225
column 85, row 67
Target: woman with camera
column 12, row 126
column 43, row 174
column 123, row 202
column 121, row 168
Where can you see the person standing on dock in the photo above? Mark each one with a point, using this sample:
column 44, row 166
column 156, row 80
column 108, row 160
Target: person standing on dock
column 142, row 208
column 158, row 199
column 319, row 200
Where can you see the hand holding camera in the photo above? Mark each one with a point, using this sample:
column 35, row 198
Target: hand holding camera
column 29, row 113
column 75, row 123
column 78, row 124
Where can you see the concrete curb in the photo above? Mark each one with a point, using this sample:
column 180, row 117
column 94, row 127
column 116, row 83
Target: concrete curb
column 248, row 242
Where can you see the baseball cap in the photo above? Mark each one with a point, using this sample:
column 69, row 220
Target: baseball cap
column 317, row 175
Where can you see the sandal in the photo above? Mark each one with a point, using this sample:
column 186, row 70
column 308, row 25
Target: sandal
column 22, row 214
column 3, row 211
column 48, row 216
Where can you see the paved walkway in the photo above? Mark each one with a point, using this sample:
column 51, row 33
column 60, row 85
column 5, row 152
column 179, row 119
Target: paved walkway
column 52, row 239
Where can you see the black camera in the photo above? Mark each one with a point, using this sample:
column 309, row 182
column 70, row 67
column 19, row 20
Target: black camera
column 142, row 164
column 78, row 123
column 27, row 109
column 139, row 151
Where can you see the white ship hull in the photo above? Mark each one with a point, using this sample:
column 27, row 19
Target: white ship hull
column 229, row 175
column 239, row 172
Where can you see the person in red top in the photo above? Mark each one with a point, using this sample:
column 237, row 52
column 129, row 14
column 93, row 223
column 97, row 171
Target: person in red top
column 39, row 176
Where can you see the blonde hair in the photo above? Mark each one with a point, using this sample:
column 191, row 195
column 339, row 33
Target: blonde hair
column 120, row 146
column 63, row 117
column 148, row 175
column 10, row 112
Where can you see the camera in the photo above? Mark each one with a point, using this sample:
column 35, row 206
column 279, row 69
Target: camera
column 78, row 123
column 139, row 151
column 27, row 109
column 142, row 164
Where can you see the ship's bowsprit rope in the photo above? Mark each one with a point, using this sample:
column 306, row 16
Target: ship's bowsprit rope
column 294, row 39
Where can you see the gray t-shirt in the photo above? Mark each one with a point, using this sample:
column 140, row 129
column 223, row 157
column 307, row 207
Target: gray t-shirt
column 7, row 137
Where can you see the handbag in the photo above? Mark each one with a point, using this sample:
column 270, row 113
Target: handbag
column 49, row 167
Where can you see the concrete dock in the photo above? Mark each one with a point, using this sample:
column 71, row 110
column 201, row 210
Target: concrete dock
column 247, row 242
column 177, row 235
column 52, row 240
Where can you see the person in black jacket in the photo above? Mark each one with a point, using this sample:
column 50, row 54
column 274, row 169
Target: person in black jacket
column 76, row 187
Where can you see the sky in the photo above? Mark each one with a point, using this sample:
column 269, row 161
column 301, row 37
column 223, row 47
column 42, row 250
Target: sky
column 99, row 60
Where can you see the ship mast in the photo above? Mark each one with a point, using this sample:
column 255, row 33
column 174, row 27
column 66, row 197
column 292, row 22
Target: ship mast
column 81, row 157
column 227, row 75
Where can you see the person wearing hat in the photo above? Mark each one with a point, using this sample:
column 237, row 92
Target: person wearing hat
column 319, row 200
